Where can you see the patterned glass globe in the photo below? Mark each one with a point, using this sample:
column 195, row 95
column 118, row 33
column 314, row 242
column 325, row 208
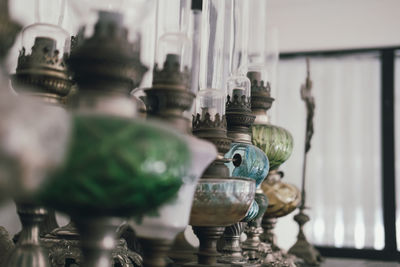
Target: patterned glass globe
column 275, row 141
column 248, row 161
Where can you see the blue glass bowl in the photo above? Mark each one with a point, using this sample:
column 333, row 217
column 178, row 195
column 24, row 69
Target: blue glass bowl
column 247, row 161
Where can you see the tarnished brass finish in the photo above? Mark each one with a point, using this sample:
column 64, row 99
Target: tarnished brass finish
column 167, row 100
column 106, row 67
column 42, row 72
column 302, row 248
column 218, row 202
column 169, row 96
column 64, row 249
column 215, row 132
column 229, row 246
column 212, row 130
column 239, row 121
column 107, row 61
column 97, row 240
column 208, row 237
column 155, row 251
column 239, row 118
column 182, row 252
column 6, row 245
column 254, row 250
column 261, row 99
column 28, row 252
column 283, row 199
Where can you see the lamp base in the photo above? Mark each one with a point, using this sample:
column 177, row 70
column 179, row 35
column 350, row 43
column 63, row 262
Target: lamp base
column 155, row 251
column 208, row 237
column 229, row 246
column 302, row 248
column 6, row 245
column 277, row 257
column 64, row 248
column 28, row 252
column 182, row 252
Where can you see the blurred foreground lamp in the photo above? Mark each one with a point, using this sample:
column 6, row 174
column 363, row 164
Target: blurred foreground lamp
column 117, row 166
column 41, row 78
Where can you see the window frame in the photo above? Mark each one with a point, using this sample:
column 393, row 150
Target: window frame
column 387, row 59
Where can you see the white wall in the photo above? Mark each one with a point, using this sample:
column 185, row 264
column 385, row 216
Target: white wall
column 306, row 25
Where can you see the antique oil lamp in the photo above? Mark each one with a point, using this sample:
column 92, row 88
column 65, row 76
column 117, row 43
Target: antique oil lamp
column 275, row 141
column 117, row 166
column 28, row 153
column 168, row 100
column 220, row 200
column 249, row 161
column 41, row 76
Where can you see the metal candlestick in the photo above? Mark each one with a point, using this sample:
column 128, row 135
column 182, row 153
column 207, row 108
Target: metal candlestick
column 302, row 248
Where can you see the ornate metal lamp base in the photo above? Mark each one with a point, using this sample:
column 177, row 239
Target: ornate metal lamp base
column 302, row 248
column 6, row 245
column 64, row 248
column 28, row 252
column 229, row 245
column 182, row 252
column 208, row 237
column 277, row 256
column 99, row 247
column 155, row 251
column 256, row 251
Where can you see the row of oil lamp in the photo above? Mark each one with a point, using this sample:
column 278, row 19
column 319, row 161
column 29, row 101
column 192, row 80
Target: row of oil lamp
column 73, row 139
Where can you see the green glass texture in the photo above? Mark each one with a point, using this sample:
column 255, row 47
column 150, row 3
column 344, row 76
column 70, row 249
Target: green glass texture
column 275, row 141
column 118, row 167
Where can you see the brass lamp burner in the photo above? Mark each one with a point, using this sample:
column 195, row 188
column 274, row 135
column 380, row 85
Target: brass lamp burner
column 43, row 72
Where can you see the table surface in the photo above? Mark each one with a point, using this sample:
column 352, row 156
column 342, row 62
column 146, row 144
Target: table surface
column 357, row 263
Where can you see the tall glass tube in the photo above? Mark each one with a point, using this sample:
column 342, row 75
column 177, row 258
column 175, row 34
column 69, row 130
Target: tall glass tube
column 48, row 25
column 238, row 85
column 173, row 19
column 257, row 38
column 214, row 57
